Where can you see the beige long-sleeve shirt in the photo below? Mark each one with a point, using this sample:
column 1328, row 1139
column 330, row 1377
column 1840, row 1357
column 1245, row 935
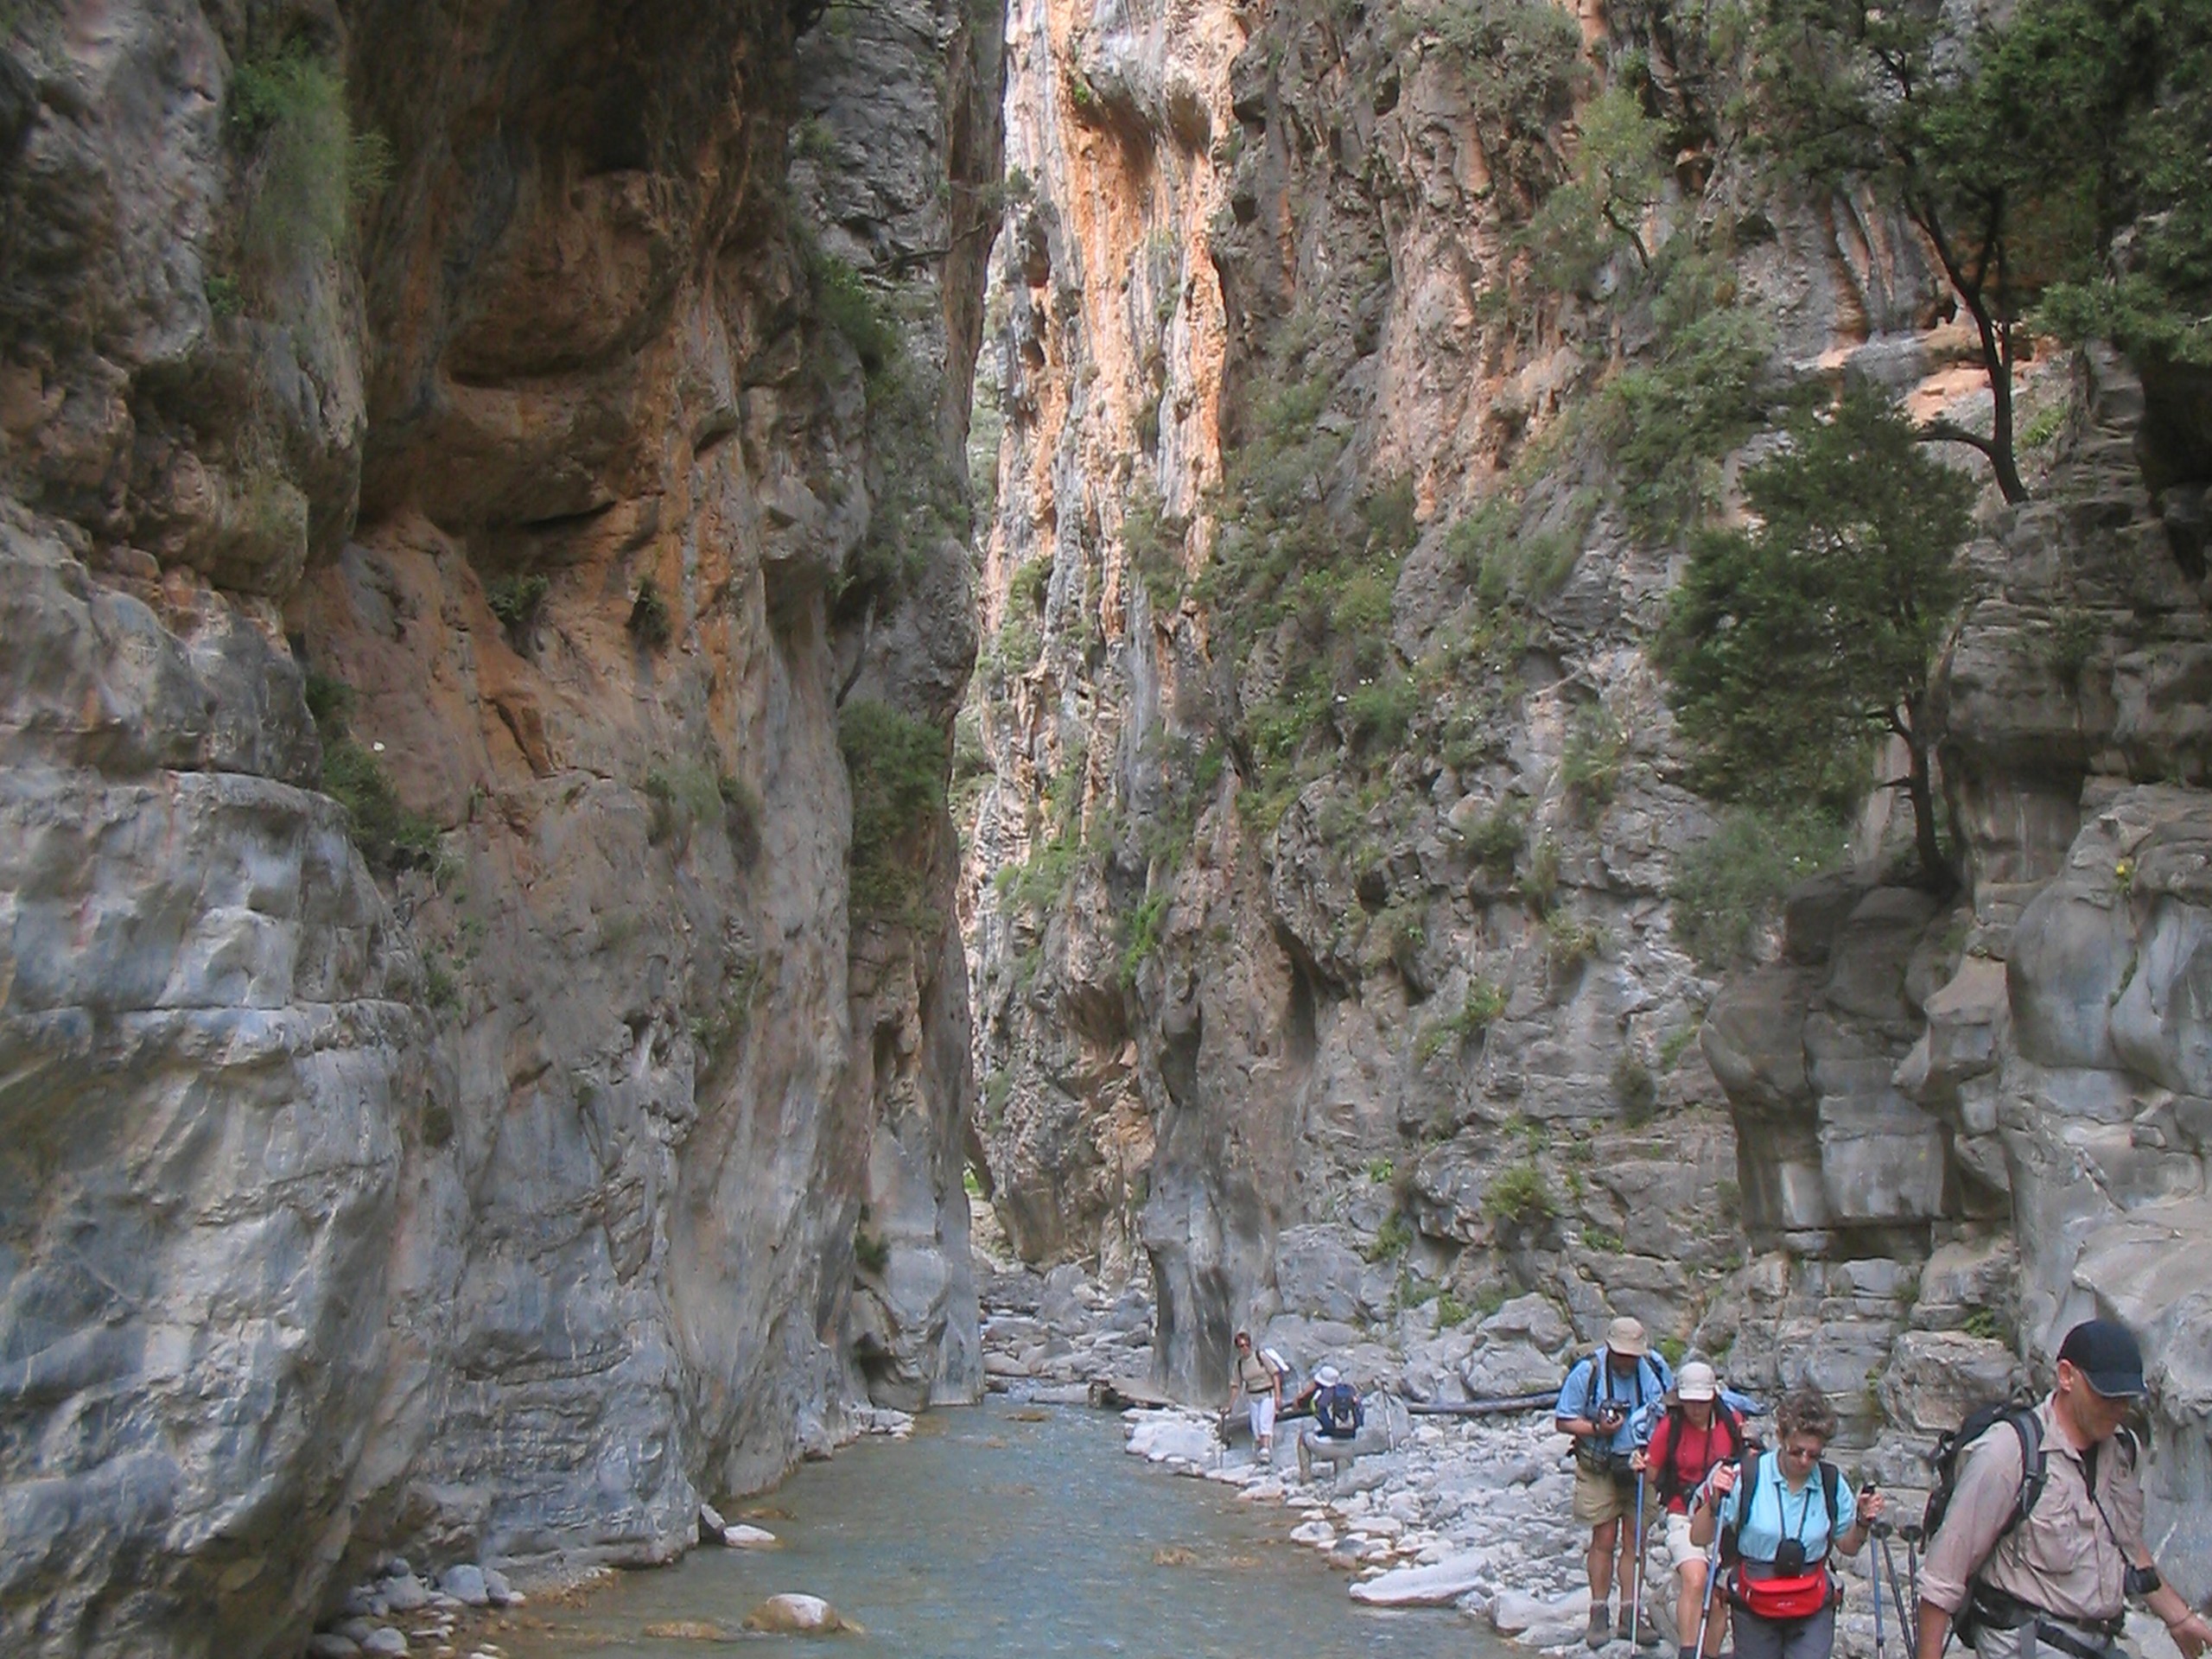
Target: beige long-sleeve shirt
column 2063, row 1558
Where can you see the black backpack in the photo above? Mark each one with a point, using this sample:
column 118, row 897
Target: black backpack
column 1949, row 1448
column 1663, row 1472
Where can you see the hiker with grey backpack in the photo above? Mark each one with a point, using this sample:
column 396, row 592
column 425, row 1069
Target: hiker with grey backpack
column 2035, row 1531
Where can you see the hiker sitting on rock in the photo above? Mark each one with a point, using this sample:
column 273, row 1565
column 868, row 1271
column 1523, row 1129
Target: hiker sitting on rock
column 1338, row 1417
column 2040, row 1542
column 1791, row 1514
column 1260, row 1380
column 1601, row 1394
column 1698, row 1431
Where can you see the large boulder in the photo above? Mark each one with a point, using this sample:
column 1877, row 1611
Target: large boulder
column 1935, row 1377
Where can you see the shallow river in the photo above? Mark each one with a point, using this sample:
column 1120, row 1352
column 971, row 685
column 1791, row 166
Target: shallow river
column 1012, row 1531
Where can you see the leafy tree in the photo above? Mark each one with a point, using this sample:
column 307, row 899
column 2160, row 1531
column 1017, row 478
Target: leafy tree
column 1792, row 646
column 2000, row 144
column 1617, row 178
column 2156, row 301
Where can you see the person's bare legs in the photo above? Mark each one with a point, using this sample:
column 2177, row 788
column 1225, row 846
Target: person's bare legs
column 1605, row 1545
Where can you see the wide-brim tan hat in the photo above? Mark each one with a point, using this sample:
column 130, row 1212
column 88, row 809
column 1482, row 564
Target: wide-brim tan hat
column 1625, row 1336
column 1697, row 1382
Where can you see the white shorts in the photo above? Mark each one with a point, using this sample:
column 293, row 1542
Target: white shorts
column 1261, row 1407
column 1679, row 1549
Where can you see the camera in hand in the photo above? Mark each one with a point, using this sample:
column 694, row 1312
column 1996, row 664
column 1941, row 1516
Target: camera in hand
column 1610, row 1416
column 2142, row 1580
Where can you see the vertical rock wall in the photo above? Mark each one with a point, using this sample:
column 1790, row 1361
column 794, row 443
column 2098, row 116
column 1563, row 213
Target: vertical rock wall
column 453, row 480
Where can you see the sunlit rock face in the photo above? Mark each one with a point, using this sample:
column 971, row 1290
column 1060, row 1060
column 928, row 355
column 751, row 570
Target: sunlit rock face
column 449, row 1101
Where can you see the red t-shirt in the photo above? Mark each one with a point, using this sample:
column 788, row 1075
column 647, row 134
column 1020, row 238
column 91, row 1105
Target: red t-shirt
column 1690, row 1452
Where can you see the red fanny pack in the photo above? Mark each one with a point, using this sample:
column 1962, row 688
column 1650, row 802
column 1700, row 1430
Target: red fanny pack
column 1792, row 1597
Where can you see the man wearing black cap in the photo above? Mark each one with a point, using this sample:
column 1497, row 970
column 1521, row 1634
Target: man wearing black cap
column 2054, row 1583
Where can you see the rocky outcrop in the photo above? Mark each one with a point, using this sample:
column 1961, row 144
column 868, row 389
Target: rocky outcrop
column 459, row 469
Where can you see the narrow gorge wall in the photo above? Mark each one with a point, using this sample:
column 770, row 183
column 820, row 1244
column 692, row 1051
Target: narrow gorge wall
column 1330, row 824
column 485, row 517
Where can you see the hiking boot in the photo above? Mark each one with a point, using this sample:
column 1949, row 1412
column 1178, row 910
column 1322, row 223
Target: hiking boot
column 1600, row 1631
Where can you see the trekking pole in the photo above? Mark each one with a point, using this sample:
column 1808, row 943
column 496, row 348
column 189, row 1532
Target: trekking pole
column 1712, row 1577
column 1636, row 1618
column 1912, row 1535
column 1874, row 1583
column 1890, row 1566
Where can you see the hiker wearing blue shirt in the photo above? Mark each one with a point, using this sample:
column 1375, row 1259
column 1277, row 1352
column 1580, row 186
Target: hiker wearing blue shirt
column 1791, row 1515
column 1597, row 1403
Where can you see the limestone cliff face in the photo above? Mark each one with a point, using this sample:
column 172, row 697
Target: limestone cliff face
column 1333, row 999
column 459, row 467
column 1375, row 962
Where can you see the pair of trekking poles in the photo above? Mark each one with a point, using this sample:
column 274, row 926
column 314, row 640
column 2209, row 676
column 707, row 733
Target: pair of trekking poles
column 1880, row 1532
column 1886, row 1567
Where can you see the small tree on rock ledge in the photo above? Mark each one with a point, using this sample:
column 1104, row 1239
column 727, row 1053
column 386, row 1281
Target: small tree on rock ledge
column 1794, row 647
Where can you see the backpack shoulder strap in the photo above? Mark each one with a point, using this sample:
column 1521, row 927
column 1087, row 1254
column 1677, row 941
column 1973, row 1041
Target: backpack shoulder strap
column 2034, row 1468
column 1831, row 1489
column 1747, row 1482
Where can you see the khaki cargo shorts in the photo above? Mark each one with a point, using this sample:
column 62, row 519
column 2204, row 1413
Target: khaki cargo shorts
column 1600, row 1498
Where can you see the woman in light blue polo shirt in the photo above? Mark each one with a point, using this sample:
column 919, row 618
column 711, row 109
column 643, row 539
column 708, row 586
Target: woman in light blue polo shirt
column 1791, row 1517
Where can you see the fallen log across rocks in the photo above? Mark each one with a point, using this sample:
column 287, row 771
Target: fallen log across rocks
column 1497, row 1405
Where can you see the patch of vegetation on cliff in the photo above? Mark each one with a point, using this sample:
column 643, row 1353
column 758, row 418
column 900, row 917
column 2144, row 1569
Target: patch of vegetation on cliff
column 307, row 167
column 1300, row 586
column 1523, row 64
column 896, row 765
column 1728, row 887
column 392, row 836
column 1668, row 421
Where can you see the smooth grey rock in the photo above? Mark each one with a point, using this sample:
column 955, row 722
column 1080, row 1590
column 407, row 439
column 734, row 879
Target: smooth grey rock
column 496, row 1587
column 405, row 1593
column 465, row 1584
column 386, row 1640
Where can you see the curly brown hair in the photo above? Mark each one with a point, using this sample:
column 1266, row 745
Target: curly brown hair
column 1805, row 1412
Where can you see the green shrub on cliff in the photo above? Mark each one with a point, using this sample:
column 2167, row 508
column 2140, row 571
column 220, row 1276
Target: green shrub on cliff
column 1727, row 889
column 896, row 765
column 392, row 837
column 307, row 166
column 1519, row 1195
column 1523, row 64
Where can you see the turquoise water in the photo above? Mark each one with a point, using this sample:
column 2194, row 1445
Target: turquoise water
column 1012, row 1531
